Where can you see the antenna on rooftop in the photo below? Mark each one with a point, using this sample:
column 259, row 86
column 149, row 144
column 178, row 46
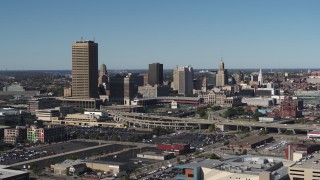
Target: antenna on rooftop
column 81, row 38
column 94, row 38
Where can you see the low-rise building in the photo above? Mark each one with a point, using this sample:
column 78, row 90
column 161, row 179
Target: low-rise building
column 42, row 103
column 69, row 167
column 250, row 142
column 218, row 97
column 156, row 155
column 47, row 114
column 236, row 168
column 290, row 108
column 10, row 174
column 9, row 116
column 87, row 103
column 264, row 102
column 176, row 148
column 15, row 135
column 305, row 148
column 47, row 134
column 314, row 134
column 154, row 91
column 306, row 168
column 84, row 117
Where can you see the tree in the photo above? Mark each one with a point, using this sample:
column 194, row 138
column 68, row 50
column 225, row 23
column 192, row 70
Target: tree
column 212, row 127
column 256, row 115
column 216, row 108
column 244, row 152
column 214, row 156
column 201, row 112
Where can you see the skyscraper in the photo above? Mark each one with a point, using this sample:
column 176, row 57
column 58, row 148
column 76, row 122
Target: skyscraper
column 222, row 75
column 183, row 80
column 155, row 75
column 85, row 69
column 260, row 78
column 103, row 80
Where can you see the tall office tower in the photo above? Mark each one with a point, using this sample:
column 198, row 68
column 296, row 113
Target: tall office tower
column 122, row 90
column 183, row 80
column 103, row 70
column 155, row 75
column 85, row 69
column 103, row 75
column 222, row 75
column 103, row 80
column 260, row 78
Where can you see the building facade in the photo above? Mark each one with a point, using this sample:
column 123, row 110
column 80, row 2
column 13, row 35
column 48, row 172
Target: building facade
column 122, row 90
column 15, row 135
column 85, row 69
column 290, row 108
column 222, row 76
column 183, row 80
column 155, row 75
column 50, row 134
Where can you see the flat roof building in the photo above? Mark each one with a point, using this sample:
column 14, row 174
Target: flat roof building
column 155, row 74
column 85, row 69
column 251, row 142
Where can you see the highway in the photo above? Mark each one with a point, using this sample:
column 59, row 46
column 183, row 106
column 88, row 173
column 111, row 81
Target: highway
column 148, row 121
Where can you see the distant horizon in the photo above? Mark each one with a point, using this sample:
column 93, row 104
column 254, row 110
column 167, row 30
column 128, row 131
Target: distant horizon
column 263, row 69
column 133, row 34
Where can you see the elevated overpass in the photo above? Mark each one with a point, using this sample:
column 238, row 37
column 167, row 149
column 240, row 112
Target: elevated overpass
column 148, row 121
column 161, row 100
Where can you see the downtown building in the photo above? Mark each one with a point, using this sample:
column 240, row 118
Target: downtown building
column 183, row 80
column 84, row 76
column 85, row 69
column 47, row 134
column 222, row 76
column 122, row 90
column 155, row 74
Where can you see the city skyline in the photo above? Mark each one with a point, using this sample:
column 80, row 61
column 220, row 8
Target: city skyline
column 131, row 35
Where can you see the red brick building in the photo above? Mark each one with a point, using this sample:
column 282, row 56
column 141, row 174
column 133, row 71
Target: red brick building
column 176, row 148
column 290, row 108
column 307, row 148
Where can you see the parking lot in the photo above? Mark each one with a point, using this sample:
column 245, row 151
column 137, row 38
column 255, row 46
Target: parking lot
column 19, row 155
column 130, row 156
column 195, row 140
column 165, row 172
column 276, row 147
column 107, row 133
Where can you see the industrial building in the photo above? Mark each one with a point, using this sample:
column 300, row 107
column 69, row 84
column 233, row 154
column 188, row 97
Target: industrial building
column 236, row 168
column 296, row 151
column 250, row 142
column 156, row 155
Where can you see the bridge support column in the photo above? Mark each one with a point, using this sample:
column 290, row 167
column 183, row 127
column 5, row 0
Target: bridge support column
column 294, row 132
column 279, row 131
column 250, row 128
column 199, row 126
column 237, row 128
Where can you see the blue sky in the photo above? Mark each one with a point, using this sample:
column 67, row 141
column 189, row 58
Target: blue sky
column 133, row 33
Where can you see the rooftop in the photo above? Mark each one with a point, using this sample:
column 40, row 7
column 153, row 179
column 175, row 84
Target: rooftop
column 7, row 173
column 251, row 140
column 309, row 162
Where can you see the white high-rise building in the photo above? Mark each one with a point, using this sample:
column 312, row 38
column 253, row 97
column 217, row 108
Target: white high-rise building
column 183, row 80
column 260, row 78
